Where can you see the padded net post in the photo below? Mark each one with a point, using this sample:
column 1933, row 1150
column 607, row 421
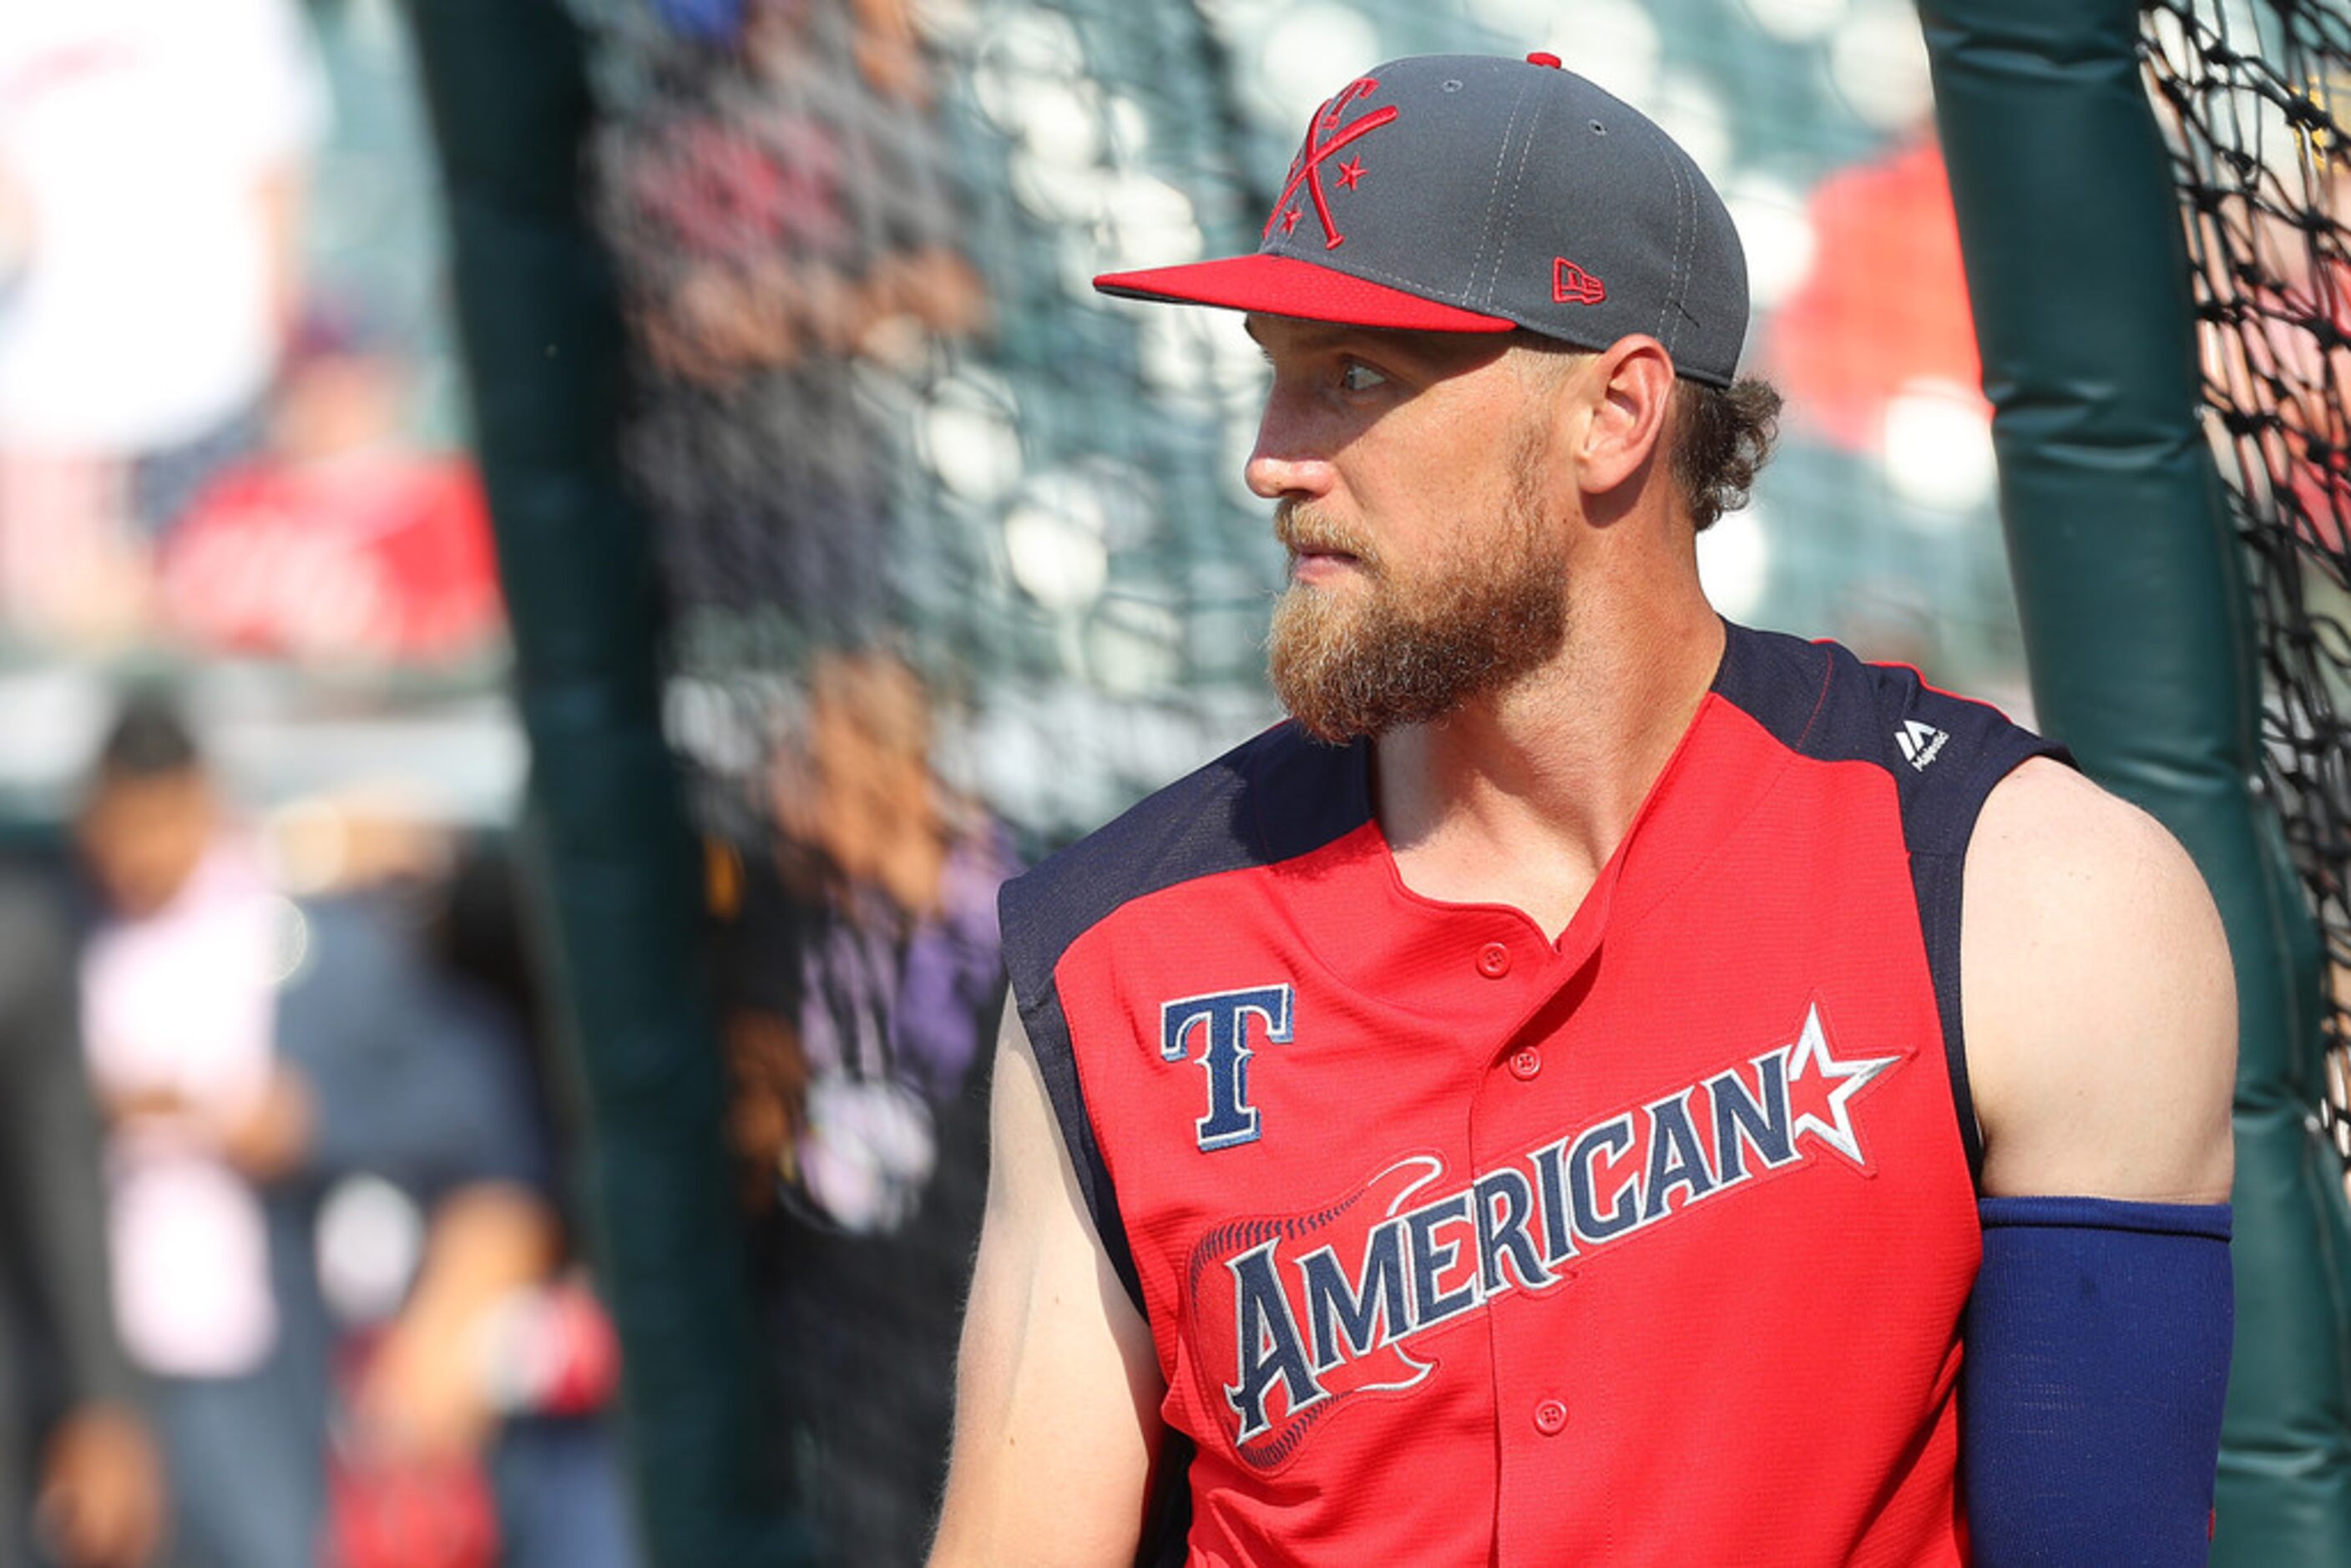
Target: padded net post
column 2140, row 632
column 543, row 350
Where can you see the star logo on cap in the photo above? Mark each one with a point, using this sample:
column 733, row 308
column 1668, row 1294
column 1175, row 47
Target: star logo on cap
column 1326, row 135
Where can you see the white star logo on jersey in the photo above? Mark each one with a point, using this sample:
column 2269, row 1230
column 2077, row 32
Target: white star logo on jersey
column 1811, row 1059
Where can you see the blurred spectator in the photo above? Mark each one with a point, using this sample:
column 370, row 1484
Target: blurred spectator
column 879, row 939
column 264, row 1062
column 862, row 966
column 100, row 1503
column 151, row 154
column 544, row 1360
column 338, row 541
column 2275, row 331
column 1884, row 310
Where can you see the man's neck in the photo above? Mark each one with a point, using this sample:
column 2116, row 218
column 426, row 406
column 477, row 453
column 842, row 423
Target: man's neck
column 1521, row 797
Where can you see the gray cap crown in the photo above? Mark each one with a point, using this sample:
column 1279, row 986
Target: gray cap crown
column 1514, row 191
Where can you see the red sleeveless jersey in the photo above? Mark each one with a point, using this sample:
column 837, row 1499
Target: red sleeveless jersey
column 1461, row 1246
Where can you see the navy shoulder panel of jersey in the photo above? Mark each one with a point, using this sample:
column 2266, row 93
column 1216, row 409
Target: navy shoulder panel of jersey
column 1268, row 800
column 1945, row 753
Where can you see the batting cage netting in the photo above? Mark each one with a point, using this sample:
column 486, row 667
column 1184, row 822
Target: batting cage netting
column 2254, row 101
column 959, row 562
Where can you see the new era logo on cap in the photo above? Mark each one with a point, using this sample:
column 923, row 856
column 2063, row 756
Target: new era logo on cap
column 1469, row 193
column 1570, row 282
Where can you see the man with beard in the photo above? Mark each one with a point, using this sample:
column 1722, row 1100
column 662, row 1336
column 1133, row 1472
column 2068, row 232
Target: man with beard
column 1599, row 1084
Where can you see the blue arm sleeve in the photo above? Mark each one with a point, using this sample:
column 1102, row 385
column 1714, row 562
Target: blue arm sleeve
column 2096, row 1360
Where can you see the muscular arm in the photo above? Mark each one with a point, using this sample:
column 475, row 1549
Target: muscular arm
column 2100, row 1018
column 2099, row 1006
column 1057, row 1387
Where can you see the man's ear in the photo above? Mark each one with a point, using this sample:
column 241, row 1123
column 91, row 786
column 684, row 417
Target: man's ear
column 1628, row 390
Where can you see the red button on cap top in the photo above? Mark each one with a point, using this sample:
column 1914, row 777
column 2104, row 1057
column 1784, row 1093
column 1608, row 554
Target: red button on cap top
column 1493, row 960
column 1550, row 1416
column 1539, row 57
column 1526, row 1062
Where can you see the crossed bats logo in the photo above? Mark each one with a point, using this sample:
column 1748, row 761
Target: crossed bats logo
column 1325, row 136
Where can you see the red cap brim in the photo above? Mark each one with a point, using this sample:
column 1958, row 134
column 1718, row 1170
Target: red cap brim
column 1285, row 286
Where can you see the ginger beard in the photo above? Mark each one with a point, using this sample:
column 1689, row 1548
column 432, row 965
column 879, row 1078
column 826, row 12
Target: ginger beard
column 1403, row 650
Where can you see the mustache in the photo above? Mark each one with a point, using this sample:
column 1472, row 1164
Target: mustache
column 1303, row 530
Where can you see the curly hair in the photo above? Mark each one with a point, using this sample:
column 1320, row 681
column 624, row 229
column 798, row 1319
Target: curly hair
column 1722, row 438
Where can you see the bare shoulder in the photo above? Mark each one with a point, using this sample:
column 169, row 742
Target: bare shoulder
column 2098, row 1004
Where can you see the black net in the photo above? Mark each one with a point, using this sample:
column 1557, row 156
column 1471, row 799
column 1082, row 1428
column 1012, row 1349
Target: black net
column 959, row 557
column 942, row 593
column 2254, row 99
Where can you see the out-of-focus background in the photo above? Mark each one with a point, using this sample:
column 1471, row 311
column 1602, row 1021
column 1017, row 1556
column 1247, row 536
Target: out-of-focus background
column 955, row 562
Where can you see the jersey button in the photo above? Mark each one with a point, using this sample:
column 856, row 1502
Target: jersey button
column 1525, row 1062
column 1493, row 960
column 1550, row 1415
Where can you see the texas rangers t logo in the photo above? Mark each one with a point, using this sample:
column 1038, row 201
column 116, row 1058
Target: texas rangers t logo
column 1222, row 1019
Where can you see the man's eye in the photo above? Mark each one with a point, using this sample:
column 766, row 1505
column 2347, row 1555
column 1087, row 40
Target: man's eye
column 1357, row 378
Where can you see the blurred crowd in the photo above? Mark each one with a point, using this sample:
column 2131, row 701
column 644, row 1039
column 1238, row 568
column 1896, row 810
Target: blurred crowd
column 296, row 1282
column 287, row 1275
column 203, row 444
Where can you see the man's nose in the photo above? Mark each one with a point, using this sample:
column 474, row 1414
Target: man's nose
column 1285, row 462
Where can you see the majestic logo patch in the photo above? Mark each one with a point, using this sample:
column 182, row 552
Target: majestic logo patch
column 1220, row 1021
column 1571, row 285
column 1325, row 136
column 1295, row 1315
column 1920, row 741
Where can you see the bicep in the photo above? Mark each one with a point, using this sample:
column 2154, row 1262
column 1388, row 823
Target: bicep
column 2098, row 1001
column 1057, row 1384
column 2100, row 1017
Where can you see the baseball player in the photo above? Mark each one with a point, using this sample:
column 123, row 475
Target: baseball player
column 1598, row 1084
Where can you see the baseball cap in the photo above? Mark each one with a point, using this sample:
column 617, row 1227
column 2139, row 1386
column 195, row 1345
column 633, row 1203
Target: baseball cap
column 1476, row 193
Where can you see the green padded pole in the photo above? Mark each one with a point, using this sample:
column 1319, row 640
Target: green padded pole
column 505, row 81
column 2137, row 626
